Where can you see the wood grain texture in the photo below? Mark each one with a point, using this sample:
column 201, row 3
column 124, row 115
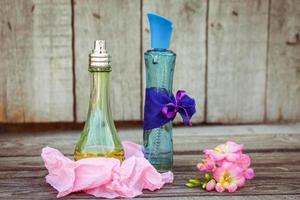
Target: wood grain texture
column 35, row 61
column 14, row 144
column 264, row 163
column 253, row 197
column 188, row 42
column 237, row 43
column 20, row 188
column 276, row 174
column 283, row 88
column 274, row 158
column 106, row 20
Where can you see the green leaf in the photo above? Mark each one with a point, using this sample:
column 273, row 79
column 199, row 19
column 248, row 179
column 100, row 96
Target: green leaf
column 195, row 181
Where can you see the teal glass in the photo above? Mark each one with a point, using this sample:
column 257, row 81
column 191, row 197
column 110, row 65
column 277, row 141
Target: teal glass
column 158, row 142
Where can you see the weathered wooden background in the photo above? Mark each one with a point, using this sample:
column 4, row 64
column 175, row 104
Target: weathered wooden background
column 240, row 59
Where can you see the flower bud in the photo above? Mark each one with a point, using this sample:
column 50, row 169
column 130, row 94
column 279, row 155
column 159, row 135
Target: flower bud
column 211, row 185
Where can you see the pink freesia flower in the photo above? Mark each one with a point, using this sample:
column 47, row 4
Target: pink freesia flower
column 249, row 173
column 211, row 185
column 229, row 151
column 229, row 166
column 229, row 177
column 219, row 188
column 207, row 165
column 243, row 161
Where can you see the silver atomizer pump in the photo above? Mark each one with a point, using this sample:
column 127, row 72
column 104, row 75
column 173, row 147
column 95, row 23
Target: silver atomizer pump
column 99, row 58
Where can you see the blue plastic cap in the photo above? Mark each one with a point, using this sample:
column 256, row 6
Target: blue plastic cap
column 161, row 31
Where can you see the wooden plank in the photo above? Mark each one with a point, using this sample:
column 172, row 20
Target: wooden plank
column 277, row 173
column 268, row 165
column 283, row 88
column 253, row 197
column 237, row 43
column 37, row 187
column 237, row 130
column 188, row 42
column 31, row 144
column 35, row 61
column 106, row 20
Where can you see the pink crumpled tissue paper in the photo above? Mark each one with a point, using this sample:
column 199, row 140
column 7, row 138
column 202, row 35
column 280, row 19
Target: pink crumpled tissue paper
column 104, row 177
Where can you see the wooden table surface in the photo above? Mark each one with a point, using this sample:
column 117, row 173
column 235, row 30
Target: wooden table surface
column 275, row 159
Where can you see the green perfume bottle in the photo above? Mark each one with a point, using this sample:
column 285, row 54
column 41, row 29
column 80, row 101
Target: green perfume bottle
column 99, row 137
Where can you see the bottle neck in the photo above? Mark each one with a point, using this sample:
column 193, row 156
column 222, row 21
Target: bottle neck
column 99, row 91
column 160, row 64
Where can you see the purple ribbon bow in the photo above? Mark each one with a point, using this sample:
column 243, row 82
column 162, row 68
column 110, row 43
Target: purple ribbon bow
column 162, row 107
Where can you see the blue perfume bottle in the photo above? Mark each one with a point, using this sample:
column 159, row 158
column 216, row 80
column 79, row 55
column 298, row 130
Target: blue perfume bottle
column 160, row 63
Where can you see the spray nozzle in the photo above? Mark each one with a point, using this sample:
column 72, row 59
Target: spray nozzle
column 99, row 56
column 99, row 46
